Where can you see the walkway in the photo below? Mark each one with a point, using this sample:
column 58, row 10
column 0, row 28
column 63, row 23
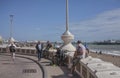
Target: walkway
column 15, row 69
column 20, row 68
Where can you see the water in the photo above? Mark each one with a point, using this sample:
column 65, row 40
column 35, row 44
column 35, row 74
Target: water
column 108, row 49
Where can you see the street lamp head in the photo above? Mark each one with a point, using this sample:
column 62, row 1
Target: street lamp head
column 11, row 15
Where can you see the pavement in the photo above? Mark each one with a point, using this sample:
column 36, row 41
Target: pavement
column 25, row 68
column 20, row 68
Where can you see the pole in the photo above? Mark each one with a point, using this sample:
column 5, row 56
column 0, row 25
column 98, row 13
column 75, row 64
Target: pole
column 11, row 26
column 67, row 28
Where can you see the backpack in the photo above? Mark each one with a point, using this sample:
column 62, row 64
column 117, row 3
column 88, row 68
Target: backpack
column 12, row 48
column 79, row 51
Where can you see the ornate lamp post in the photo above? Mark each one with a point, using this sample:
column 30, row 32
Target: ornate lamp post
column 67, row 37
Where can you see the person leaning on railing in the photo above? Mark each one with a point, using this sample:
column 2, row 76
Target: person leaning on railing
column 87, row 50
column 48, row 46
column 79, row 54
column 39, row 50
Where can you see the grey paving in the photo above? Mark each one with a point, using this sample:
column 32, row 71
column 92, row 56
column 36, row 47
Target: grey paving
column 20, row 68
column 15, row 70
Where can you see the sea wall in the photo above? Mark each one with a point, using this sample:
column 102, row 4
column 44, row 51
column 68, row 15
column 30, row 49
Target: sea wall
column 92, row 67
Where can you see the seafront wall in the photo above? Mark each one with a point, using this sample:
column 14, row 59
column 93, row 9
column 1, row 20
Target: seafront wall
column 89, row 67
column 20, row 50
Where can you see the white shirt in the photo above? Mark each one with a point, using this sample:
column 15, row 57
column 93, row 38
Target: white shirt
column 83, row 49
column 39, row 46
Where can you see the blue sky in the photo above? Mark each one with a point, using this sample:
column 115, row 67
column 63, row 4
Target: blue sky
column 89, row 20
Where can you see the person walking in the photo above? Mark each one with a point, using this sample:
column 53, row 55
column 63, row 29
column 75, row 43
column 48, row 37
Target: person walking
column 12, row 51
column 78, row 55
column 39, row 50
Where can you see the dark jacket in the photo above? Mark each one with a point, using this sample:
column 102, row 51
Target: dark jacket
column 12, row 48
column 37, row 48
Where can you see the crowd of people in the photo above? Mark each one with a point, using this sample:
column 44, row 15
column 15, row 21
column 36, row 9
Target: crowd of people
column 81, row 52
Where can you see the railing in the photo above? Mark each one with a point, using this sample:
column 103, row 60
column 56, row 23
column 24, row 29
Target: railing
column 87, row 68
column 20, row 50
column 95, row 68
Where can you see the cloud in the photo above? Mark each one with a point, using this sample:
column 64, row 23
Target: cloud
column 105, row 25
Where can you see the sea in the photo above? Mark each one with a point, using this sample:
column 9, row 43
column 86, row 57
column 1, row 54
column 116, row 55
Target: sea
column 107, row 49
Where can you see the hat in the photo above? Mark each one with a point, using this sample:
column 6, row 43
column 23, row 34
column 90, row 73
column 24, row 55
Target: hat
column 78, row 41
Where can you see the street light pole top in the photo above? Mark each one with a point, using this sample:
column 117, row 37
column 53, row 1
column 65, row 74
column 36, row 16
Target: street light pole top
column 11, row 15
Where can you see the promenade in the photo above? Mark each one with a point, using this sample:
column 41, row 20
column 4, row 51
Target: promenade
column 27, row 68
column 20, row 68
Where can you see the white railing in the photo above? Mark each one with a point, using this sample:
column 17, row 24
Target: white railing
column 95, row 68
column 20, row 50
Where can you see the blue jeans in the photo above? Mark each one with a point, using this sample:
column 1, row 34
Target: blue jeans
column 39, row 55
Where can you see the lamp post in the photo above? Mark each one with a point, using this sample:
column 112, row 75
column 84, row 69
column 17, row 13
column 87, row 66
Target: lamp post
column 11, row 40
column 11, row 25
column 67, row 37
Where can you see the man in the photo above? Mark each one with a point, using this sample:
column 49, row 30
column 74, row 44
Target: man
column 79, row 54
column 58, row 55
column 12, row 50
column 39, row 50
column 87, row 50
column 48, row 46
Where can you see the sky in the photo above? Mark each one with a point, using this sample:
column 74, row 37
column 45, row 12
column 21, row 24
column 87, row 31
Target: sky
column 89, row 20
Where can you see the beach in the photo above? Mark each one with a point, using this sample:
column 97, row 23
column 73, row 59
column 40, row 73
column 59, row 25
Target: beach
column 107, row 57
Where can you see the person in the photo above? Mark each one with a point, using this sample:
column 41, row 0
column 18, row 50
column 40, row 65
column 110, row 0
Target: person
column 12, row 50
column 48, row 46
column 87, row 50
column 39, row 50
column 79, row 54
column 58, row 55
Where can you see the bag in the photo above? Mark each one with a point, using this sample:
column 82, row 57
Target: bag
column 79, row 51
column 12, row 49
